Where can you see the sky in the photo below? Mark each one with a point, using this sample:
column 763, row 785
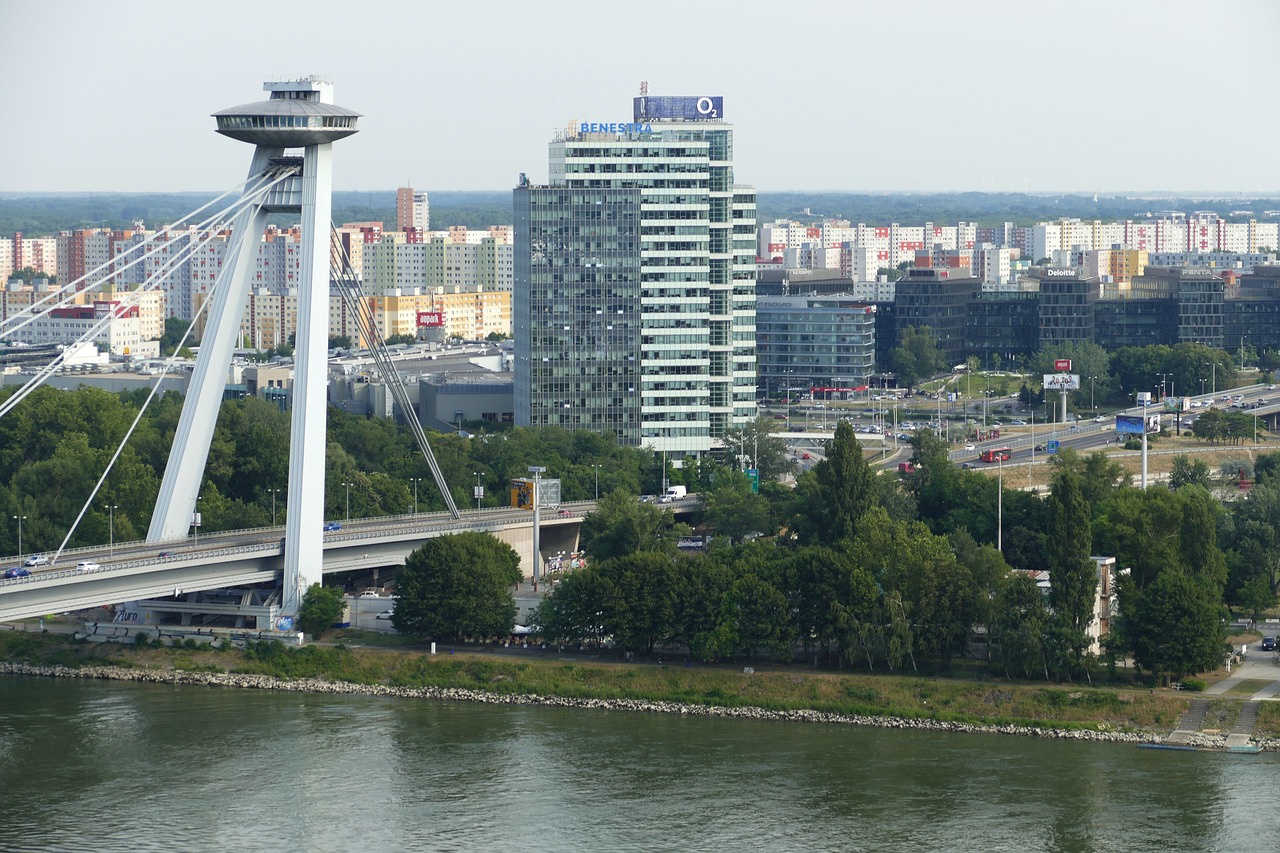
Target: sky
column 1105, row 96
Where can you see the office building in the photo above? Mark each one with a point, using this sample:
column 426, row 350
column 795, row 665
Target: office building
column 814, row 341
column 634, row 304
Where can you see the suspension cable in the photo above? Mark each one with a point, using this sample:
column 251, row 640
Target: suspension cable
column 137, row 420
column 11, row 325
column 49, row 369
column 352, row 296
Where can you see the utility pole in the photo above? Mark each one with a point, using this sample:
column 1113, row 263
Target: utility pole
column 537, row 471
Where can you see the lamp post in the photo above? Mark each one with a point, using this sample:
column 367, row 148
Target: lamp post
column 1213, row 365
column 415, row 481
column 479, row 488
column 537, row 471
column 1093, row 403
column 20, row 519
column 111, row 524
column 1163, row 379
column 596, row 466
column 985, row 401
column 347, row 486
column 1000, row 503
column 274, row 492
column 195, row 521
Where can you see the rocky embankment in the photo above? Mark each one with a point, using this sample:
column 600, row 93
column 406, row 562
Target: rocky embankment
column 319, row 685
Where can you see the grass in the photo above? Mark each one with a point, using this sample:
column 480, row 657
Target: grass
column 1248, row 687
column 993, row 702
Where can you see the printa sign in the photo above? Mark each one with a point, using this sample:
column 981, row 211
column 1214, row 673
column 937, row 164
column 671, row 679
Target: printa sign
column 679, row 108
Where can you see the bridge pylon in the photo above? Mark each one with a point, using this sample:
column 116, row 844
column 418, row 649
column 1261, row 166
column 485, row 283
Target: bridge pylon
column 299, row 114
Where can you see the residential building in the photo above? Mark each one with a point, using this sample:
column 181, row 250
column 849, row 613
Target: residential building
column 413, row 210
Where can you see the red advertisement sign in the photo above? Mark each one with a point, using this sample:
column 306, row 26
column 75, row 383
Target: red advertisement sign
column 1062, row 364
column 430, row 319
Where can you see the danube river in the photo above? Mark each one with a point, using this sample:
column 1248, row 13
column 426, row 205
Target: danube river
column 132, row 767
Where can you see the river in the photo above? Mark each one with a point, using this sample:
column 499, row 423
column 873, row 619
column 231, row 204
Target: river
column 134, row 767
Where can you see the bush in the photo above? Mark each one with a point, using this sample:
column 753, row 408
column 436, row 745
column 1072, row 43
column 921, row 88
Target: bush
column 1195, row 685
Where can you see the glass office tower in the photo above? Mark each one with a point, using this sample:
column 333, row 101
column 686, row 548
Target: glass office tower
column 634, row 302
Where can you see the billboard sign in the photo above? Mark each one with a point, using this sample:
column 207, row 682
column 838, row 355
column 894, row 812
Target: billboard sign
column 1177, row 404
column 430, row 319
column 678, row 108
column 1153, row 423
column 1062, row 365
column 1128, row 424
column 1061, row 381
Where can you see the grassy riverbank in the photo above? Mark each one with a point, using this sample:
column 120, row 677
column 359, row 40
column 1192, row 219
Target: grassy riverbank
column 775, row 688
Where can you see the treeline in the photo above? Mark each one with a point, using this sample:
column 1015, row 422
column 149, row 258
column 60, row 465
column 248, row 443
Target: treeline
column 55, row 445
column 880, row 572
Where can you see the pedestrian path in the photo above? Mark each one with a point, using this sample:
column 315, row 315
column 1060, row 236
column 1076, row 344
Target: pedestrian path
column 1242, row 731
column 1191, row 721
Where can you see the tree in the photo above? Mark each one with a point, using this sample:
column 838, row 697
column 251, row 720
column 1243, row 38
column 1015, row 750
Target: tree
column 455, row 586
column 758, row 441
column 917, row 356
column 1175, row 627
column 339, row 342
column 1072, row 574
column 754, row 617
column 733, row 510
column 174, row 329
column 401, row 338
column 1020, row 622
column 1256, row 596
column 840, row 488
column 1189, row 472
column 622, row 525
column 321, row 607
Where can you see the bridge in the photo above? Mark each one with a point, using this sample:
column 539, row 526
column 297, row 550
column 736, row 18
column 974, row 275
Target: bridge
column 144, row 571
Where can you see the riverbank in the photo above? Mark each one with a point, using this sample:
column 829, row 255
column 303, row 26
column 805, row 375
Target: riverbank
column 792, row 695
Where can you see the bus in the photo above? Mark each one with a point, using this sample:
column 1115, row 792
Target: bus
column 995, row 454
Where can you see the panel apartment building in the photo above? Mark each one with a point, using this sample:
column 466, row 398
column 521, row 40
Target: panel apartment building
column 634, row 302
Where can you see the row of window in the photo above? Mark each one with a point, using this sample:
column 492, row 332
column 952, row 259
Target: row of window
column 284, row 122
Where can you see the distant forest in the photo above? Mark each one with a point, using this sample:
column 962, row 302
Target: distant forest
column 46, row 214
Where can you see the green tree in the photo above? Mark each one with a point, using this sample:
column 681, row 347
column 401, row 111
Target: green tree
column 1020, row 624
column 174, row 329
column 401, row 338
column 455, row 586
column 1176, row 627
column 1188, row 471
column 754, row 617
column 1256, row 597
column 758, row 443
column 641, row 611
column 340, row 342
column 1072, row 574
column 321, row 607
column 732, row 510
column 840, row 489
column 622, row 525
column 917, row 356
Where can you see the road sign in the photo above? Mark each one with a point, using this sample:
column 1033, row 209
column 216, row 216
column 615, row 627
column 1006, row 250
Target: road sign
column 1052, row 445
column 754, row 476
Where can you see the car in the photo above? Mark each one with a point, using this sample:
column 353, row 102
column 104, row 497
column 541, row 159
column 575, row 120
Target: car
column 17, row 572
column 565, row 512
column 1039, row 448
column 386, row 614
column 1268, row 643
column 1099, row 419
column 1018, row 422
column 805, row 456
column 163, row 555
column 970, row 447
column 36, row 560
column 370, row 593
column 87, row 566
column 968, row 466
column 332, row 525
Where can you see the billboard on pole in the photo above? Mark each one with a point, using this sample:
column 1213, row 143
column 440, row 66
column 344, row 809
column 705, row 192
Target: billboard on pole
column 1062, row 364
column 1061, row 381
column 1128, row 424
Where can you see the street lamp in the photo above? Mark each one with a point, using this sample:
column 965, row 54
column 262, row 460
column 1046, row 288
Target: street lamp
column 1093, row 403
column 1163, row 379
column 347, row 486
column 20, row 519
column 1213, row 365
column 274, row 492
column 537, row 471
column 110, row 511
column 479, row 488
column 415, row 481
column 596, row 466
column 195, row 521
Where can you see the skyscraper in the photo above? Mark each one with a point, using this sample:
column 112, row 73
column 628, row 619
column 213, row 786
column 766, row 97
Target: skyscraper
column 413, row 210
column 634, row 301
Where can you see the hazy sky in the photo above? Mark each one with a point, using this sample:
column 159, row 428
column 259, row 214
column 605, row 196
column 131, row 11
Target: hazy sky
column 1092, row 95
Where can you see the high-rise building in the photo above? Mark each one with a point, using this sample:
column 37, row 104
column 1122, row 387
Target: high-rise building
column 634, row 303
column 413, row 210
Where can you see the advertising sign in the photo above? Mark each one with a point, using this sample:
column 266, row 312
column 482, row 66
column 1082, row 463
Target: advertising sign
column 1061, row 381
column 1062, row 365
column 1153, row 423
column 1177, row 404
column 678, row 107
column 1128, row 424
column 430, row 319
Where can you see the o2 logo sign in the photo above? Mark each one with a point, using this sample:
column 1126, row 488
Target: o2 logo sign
column 707, row 107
